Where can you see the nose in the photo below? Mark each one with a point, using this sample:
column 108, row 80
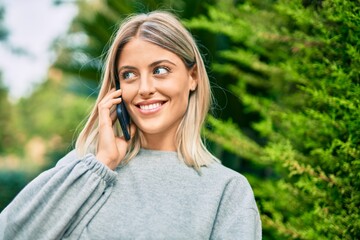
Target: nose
column 146, row 87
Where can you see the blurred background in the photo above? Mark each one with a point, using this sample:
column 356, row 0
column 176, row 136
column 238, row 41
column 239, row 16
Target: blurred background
column 285, row 76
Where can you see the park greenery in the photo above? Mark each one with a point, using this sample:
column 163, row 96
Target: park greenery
column 286, row 79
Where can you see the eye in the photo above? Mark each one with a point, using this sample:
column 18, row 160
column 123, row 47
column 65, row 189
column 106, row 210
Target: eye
column 161, row 70
column 127, row 75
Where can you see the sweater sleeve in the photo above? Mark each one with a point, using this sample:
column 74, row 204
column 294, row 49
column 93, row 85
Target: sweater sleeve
column 53, row 204
column 237, row 216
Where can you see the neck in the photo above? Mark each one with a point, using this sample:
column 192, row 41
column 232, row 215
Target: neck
column 159, row 141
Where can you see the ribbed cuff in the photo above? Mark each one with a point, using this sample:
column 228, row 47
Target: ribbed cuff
column 99, row 168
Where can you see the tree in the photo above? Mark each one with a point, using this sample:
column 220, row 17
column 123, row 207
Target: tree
column 6, row 114
column 10, row 182
column 294, row 66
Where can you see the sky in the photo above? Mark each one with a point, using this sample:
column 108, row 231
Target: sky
column 33, row 25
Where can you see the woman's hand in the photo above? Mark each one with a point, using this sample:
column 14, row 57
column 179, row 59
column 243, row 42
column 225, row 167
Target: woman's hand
column 111, row 149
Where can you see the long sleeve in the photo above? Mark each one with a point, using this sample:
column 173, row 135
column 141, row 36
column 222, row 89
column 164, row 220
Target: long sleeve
column 55, row 203
column 237, row 216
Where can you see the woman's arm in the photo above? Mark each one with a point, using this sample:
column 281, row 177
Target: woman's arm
column 54, row 203
column 237, row 216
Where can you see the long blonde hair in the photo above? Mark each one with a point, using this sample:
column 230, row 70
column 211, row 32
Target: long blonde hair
column 165, row 30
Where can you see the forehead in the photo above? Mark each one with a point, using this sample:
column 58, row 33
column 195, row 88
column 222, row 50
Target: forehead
column 139, row 51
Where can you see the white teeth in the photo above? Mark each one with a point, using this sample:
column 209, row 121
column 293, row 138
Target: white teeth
column 150, row 106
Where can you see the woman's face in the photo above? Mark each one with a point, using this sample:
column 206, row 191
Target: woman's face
column 155, row 86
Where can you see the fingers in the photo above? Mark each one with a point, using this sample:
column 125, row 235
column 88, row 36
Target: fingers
column 106, row 115
column 113, row 115
column 111, row 98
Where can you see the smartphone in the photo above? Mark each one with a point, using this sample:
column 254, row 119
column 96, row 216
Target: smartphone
column 122, row 113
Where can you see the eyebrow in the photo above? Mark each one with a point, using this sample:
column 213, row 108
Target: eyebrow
column 161, row 61
column 126, row 67
column 150, row 65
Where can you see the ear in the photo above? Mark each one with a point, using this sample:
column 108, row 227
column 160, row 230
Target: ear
column 193, row 78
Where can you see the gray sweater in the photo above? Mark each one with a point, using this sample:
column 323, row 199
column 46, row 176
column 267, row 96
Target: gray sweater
column 154, row 196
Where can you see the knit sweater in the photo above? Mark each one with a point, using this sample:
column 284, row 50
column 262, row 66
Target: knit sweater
column 154, row 196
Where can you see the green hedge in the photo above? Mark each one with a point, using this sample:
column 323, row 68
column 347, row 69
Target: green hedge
column 296, row 66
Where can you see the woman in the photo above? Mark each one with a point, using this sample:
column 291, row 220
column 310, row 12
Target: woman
column 163, row 183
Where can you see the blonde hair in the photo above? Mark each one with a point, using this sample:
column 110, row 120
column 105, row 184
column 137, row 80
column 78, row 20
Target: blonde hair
column 166, row 31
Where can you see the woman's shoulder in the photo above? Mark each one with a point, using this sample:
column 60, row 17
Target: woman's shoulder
column 222, row 174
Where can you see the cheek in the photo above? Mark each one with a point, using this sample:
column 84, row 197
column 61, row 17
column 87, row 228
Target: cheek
column 129, row 91
column 183, row 94
column 178, row 89
column 179, row 100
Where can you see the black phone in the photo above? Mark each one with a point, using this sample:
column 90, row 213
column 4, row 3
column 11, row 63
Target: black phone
column 121, row 112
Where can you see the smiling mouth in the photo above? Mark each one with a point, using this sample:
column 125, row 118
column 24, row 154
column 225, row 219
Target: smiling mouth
column 150, row 107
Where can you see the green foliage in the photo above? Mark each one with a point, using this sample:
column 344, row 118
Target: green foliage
column 297, row 69
column 53, row 110
column 7, row 136
column 5, row 113
column 11, row 182
column 11, row 139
